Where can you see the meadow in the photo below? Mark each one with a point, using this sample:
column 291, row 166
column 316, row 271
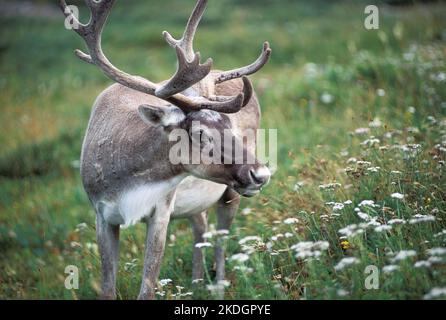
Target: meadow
column 361, row 120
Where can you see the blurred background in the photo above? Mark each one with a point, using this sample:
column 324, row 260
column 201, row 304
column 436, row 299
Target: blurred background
column 328, row 76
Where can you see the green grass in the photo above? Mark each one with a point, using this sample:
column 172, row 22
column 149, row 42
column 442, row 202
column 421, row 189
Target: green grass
column 318, row 48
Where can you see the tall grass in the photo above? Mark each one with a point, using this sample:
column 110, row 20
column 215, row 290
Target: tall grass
column 360, row 117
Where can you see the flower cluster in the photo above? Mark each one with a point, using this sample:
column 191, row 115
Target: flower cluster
column 309, row 249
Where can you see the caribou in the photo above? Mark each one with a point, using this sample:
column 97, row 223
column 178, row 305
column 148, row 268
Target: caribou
column 125, row 165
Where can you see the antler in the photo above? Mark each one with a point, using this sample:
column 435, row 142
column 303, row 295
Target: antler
column 189, row 71
column 247, row 70
column 189, row 68
column 187, row 40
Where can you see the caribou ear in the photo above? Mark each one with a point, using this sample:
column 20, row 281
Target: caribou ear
column 164, row 116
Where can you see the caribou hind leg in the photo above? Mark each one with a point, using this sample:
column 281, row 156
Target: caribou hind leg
column 199, row 226
column 108, row 243
column 226, row 208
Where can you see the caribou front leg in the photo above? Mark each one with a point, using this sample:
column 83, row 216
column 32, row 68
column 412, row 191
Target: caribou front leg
column 199, row 226
column 156, row 239
column 108, row 243
column 227, row 207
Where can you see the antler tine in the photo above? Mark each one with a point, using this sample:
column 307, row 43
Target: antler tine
column 69, row 14
column 91, row 33
column 222, row 104
column 186, row 41
column 247, row 70
column 187, row 74
column 189, row 71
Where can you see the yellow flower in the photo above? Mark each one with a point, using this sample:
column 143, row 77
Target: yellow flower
column 345, row 244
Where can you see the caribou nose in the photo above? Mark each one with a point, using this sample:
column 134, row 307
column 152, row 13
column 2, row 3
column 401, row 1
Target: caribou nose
column 260, row 175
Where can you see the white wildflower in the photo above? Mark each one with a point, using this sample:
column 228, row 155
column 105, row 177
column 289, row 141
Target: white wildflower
column 421, row 218
column 381, row 92
column 239, row 257
column 435, row 293
column 435, row 259
column 436, row 251
column 404, row 254
column 342, row 292
column 222, row 232
column 336, row 206
column 93, row 247
column 396, row 221
column 351, row 230
column 390, row 268
column 352, row 160
column 291, row 221
column 311, row 70
column 373, row 223
column 327, row 98
column 376, row 123
column 218, row 288
column 439, row 77
column 413, row 130
column 422, row 264
column 345, row 262
column 370, row 142
column 309, row 249
column 277, row 237
column 225, row 283
column 195, row 281
column 200, row 245
column 298, row 186
column 397, row 195
column 189, row 293
column 248, row 249
column 250, row 239
column 246, row 211
column 75, row 244
column 363, row 163
column 431, row 119
column 440, row 234
column 244, row 269
column 367, row 203
column 383, row 228
column 410, row 150
column 207, row 235
column 363, row 216
column 329, row 186
column 361, row 131
column 81, row 227
column 164, row 282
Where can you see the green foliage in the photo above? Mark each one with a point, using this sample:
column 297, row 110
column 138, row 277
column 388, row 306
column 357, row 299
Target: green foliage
column 40, row 158
column 328, row 77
